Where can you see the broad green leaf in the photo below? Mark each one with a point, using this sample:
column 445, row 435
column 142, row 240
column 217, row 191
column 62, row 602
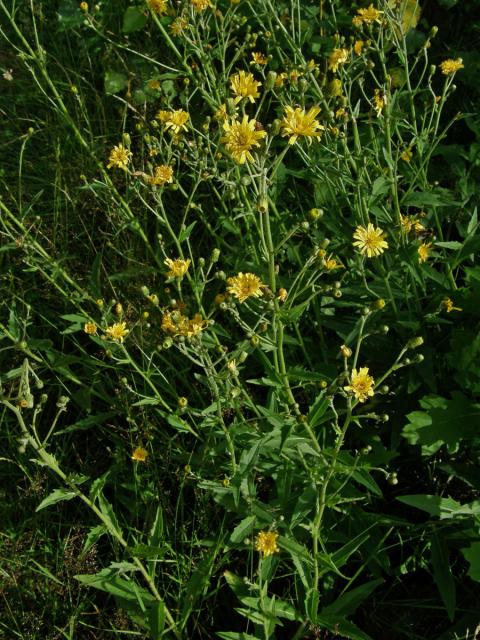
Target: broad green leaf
column 69, row 15
column 115, row 82
column 343, row 628
column 347, row 603
column 58, row 495
column 156, row 620
column 472, row 556
column 243, row 530
column 109, row 581
column 318, row 409
column 444, row 508
column 408, row 12
column 93, row 536
column 437, row 198
column 443, row 422
column 134, row 19
column 442, row 574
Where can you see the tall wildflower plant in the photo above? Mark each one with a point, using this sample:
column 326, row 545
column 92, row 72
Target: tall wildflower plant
column 243, row 303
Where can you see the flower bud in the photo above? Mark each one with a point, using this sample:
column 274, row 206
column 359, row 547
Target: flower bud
column 270, row 83
column 254, row 341
column 315, row 214
column 378, row 304
column 414, row 343
column 345, row 351
column 182, row 402
column 262, row 205
column 145, row 291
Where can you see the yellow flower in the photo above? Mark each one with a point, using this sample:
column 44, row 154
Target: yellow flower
column 330, row 263
column 358, row 46
column 158, row 6
column 336, row 58
column 406, row 155
column 297, row 123
column 90, row 328
column 84, row 6
column 266, row 543
column 174, row 120
column 154, row 84
column 367, row 16
column 379, row 101
column 411, row 223
column 447, row 304
column 280, row 79
column 282, row 294
column 117, row 331
column 449, row 67
column 245, row 285
column 370, row 240
column 163, row 174
column 222, row 112
column 424, row 251
column 177, row 268
column 176, row 324
column 201, row 5
column 244, row 85
column 241, row 137
column 258, row 58
column 335, row 88
column 140, row 454
column 178, row 26
column 119, row 157
column 361, row 384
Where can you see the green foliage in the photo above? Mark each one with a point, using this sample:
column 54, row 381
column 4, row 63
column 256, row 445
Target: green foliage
column 271, row 429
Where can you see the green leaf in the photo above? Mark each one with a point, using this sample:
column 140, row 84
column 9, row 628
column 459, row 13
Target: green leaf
column 343, row 628
column 134, row 19
column 318, row 409
column 69, row 15
column 443, row 422
column 347, row 603
column 472, row 556
column 115, row 82
column 109, row 581
column 444, row 508
column 156, row 620
column 56, row 496
column 93, row 536
column 232, row 635
column 434, row 198
column 442, row 574
column 185, row 233
column 243, row 530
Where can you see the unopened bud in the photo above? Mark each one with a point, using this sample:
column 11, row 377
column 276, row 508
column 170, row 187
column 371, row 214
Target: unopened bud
column 414, row 343
column 262, row 205
column 215, row 255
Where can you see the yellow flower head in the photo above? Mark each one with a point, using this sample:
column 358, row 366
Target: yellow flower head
column 449, row 67
column 330, row 263
column 411, row 223
column 335, row 88
column 177, row 268
column 174, row 121
column 379, row 101
column 282, row 294
column 163, row 174
column 361, row 384
column 90, row 328
column 176, row 324
column 258, row 58
column 201, row 5
column 370, row 240
column 266, row 543
column 84, row 6
column 117, row 331
column 140, row 454
column 367, row 16
column 178, row 26
column 158, row 6
column 296, row 123
column 406, row 155
column 241, row 137
column 358, row 47
column 119, row 157
column 447, row 304
column 244, row 85
column 244, row 286
column 336, row 58
column 424, row 251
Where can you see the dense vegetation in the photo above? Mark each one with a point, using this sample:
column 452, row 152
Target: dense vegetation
column 239, row 319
